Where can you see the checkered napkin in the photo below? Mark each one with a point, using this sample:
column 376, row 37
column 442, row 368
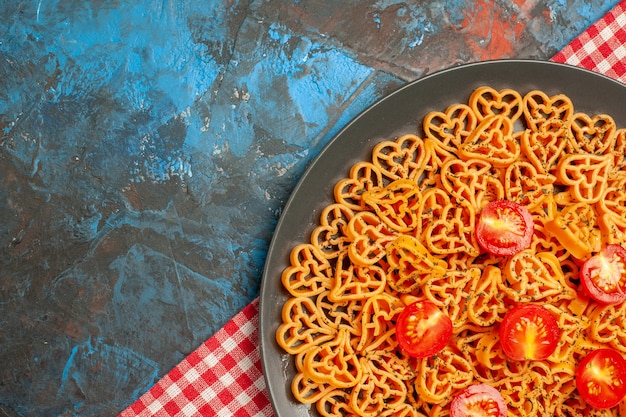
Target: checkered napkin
column 223, row 377
column 602, row 47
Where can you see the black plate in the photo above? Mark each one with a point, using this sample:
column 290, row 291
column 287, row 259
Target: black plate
column 399, row 113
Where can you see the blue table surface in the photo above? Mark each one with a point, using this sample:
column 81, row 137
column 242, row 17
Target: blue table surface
column 148, row 148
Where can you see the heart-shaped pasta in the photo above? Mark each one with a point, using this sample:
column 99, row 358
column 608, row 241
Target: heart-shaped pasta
column 545, row 113
column 530, row 277
column 354, row 282
column 375, row 322
column 396, row 204
column 543, row 148
column 330, row 236
column 453, row 231
column 485, row 305
column 492, row 141
column 380, row 388
column 410, row 264
column 303, row 326
column 524, row 185
column 310, row 272
column 364, row 176
column 334, row 362
column 586, row 176
column 451, row 128
column 592, row 134
column 402, row 158
column 487, row 101
column 475, row 181
column 368, row 236
column 440, row 375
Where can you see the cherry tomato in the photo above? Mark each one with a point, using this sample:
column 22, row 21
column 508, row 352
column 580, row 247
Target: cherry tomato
column 529, row 332
column 479, row 400
column 422, row 329
column 601, row 378
column 504, row 228
column 603, row 276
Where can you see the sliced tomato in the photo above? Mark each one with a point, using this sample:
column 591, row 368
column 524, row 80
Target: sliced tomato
column 601, row 378
column 422, row 329
column 504, row 228
column 479, row 400
column 603, row 276
column 529, row 332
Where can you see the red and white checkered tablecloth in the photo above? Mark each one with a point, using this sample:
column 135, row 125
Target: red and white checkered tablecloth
column 602, row 47
column 223, row 377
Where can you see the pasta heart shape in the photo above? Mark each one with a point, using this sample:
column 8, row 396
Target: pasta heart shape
column 334, row 362
column 436, row 157
column 402, row 158
column 450, row 293
column 308, row 391
column 485, row 306
column 434, row 202
column 449, row 129
column 338, row 401
column 439, row 375
column 489, row 354
column 524, row 185
column 309, row 272
column 453, row 232
column 396, row 204
column 376, row 321
column 474, row 180
column 613, row 228
column 618, row 152
column 594, row 135
column 614, row 199
column 364, row 176
column 380, row 389
column 543, row 148
column 547, row 113
column 607, row 325
column 587, row 175
column 572, row 327
column 530, row 277
column 353, row 282
column 302, row 326
column 330, row 236
column 492, row 141
column 338, row 314
column 369, row 237
column 410, row 264
column 487, row 101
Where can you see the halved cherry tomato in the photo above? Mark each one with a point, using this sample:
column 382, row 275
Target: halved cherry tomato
column 601, row 378
column 504, row 228
column 478, row 401
column 529, row 332
column 603, row 276
column 422, row 329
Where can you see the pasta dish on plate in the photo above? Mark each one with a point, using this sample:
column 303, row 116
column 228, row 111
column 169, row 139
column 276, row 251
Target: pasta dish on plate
column 479, row 267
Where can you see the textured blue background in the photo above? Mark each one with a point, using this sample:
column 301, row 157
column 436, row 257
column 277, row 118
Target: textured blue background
column 148, row 148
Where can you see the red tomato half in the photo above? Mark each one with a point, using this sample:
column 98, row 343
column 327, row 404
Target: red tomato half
column 603, row 276
column 601, row 378
column 422, row 329
column 529, row 332
column 479, row 400
column 504, row 228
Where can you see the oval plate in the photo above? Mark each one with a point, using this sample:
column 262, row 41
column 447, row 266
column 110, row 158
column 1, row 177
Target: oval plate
column 399, row 113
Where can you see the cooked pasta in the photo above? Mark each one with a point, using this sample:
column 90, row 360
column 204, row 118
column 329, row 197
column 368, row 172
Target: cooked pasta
column 402, row 229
